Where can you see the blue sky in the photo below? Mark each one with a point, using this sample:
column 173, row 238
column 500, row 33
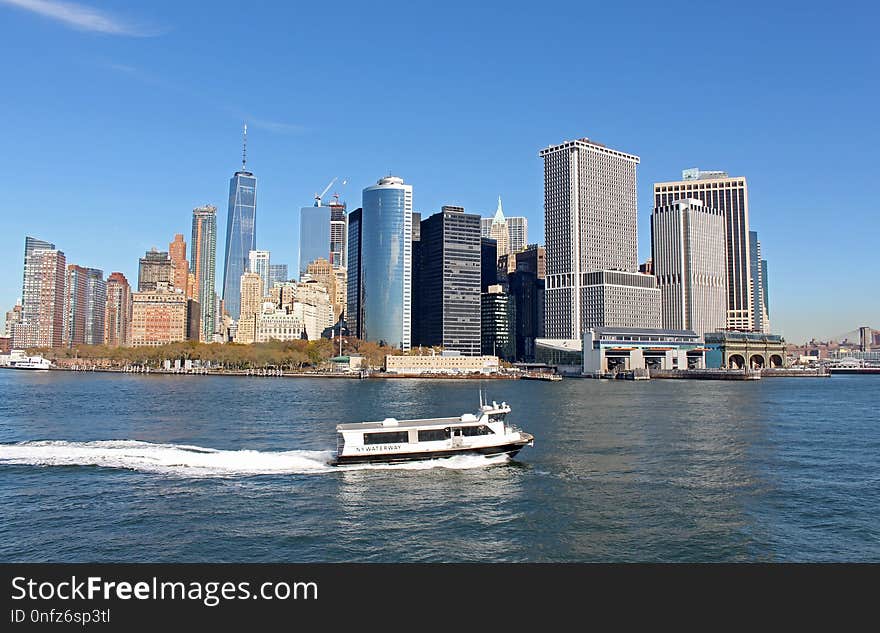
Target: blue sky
column 121, row 117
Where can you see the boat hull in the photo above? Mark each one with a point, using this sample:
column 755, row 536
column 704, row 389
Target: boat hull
column 510, row 449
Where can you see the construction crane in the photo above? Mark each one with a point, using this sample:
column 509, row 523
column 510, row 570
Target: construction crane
column 318, row 196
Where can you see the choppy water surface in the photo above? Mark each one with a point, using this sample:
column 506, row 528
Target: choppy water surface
column 97, row 467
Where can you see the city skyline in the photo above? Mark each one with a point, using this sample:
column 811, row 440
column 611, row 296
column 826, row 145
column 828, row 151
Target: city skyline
column 791, row 205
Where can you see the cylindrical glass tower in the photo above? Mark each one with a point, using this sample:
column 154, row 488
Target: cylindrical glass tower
column 386, row 262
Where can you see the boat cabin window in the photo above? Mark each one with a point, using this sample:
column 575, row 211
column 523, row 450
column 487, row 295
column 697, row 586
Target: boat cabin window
column 497, row 417
column 433, row 435
column 470, row 431
column 396, row 437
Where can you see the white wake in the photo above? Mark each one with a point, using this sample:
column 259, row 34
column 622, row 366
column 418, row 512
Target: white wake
column 195, row 461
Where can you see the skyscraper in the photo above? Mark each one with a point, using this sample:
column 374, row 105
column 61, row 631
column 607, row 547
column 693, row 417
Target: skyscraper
column 716, row 190
column 96, row 303
column 497, row 229
column 488, row 263
column 241, row 233
column 497, row 323
column 448, row 288
column 117, row 316
column 354, row 291
column 43, row 295
column 512, row 233
column 75, row 290
column 688, row 259
column 85, row 300
column 518, row 231
column 30, row 286
column 385, row 262
column 765, row 293
column 525, row 286
column 177, row 253
column 203, row 255
column 758, row 275
column 258, row 262
column 590, row 217
column 338, row 232
column 314, row 235
column 155, row 268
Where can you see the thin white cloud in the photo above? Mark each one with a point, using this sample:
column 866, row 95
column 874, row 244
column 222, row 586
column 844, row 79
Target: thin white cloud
column 81, row 17
column 278, row 127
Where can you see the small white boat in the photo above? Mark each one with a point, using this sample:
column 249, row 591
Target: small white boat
column 391, row 441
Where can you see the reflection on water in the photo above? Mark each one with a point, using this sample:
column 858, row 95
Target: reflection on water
column 431, row 515
column 163, row 468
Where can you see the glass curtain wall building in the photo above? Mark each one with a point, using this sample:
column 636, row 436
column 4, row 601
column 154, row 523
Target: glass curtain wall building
column 277, row 274
column 241, row 236
column 447, row 289
column 354, row 289
column 314, row 235
column 385, row 261
column 96, row 303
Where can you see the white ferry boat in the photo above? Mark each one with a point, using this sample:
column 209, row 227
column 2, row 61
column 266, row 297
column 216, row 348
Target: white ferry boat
column 29, row 362
column 391, row 441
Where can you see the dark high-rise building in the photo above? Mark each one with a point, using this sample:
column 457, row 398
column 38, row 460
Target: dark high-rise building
column 498, row 323
column 449, row 281
column 155, row 268
column 354, row 289
column 527, row 294
column 193, row 320
column 488, row 263
column 532, row 259
column 241, row 233
column 416, row 301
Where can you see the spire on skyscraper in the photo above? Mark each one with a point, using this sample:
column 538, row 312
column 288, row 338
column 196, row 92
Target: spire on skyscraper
column 244, row 149
column 499, row 214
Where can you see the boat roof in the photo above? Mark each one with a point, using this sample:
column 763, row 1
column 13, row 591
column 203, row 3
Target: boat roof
column 404, row 424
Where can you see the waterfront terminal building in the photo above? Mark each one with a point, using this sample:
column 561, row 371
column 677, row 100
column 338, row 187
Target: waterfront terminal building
column 734, row 349
column 612, row 349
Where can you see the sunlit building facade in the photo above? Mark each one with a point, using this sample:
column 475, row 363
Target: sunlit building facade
column 385, row 262
column 203, row 257
column 117, row 315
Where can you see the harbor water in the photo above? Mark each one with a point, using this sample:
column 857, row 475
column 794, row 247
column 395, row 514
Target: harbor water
column 131, row 468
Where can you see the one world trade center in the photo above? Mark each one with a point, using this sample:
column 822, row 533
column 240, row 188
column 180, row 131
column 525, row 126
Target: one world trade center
column 241, row 233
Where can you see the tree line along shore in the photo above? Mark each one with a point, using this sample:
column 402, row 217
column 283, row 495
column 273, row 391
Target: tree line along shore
column 296, row 355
